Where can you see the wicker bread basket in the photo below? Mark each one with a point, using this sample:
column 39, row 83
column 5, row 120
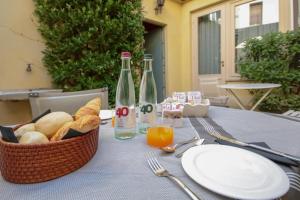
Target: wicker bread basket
column 20, row 163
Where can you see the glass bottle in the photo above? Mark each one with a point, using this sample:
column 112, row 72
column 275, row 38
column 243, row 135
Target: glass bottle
column 125, row 118
column 147, row 97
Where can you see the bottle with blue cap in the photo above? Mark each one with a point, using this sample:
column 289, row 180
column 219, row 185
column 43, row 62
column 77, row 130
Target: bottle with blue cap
column 147, row 97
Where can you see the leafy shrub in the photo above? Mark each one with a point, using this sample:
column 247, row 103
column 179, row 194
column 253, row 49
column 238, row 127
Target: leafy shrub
column 275, row 59
column 84, row 40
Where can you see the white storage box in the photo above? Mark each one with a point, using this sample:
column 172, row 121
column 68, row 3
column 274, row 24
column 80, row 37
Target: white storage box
column 197, row 110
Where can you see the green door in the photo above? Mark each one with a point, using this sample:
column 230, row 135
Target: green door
column 154, row 44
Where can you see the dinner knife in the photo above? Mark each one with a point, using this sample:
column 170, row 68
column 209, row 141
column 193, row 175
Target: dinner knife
column 237, row 142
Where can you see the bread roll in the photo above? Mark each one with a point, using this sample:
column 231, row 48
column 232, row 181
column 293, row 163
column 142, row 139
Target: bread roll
column 50, row 123
column 23, row 129
column 33, row 137
column 91, row 108
column 83, row 125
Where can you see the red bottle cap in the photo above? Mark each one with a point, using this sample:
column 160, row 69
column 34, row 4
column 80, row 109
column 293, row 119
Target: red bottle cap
column 126, row 54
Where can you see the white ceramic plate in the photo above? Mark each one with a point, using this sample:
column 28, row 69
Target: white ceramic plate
column 106, row 114
column 235, row 172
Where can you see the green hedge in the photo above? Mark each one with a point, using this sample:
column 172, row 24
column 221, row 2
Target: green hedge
column 275, row 59
column 84, row 40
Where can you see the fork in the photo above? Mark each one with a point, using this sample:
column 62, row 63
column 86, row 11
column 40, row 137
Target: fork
column 209, row 128
column 294, row 180
column 160, row 171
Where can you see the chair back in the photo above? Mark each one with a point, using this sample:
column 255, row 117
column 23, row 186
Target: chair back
column 292, row 113
column 68, row 102
column 220, row 101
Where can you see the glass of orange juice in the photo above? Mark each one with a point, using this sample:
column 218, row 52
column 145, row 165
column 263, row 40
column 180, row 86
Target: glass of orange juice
column 160, row 136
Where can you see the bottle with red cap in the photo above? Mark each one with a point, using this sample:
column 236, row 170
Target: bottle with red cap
column 125, row 118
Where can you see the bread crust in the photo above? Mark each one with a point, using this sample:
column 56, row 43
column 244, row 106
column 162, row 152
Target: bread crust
column 83, row 125
column 91, row 108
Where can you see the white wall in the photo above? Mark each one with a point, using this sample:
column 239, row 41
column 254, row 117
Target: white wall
column 270, row 13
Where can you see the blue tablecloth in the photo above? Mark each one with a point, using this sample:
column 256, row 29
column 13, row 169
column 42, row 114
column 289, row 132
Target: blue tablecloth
column 119, row 169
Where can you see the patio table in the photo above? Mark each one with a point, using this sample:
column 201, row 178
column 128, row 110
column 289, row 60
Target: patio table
column 265, row 87
column 119, row 169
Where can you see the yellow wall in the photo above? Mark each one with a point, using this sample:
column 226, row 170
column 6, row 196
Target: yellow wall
column 285, row 13
column 171, row 18
column 20, row 43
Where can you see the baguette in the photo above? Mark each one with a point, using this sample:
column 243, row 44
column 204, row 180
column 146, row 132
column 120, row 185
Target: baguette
column 83, row 125
column 95, row 104
column 91, row 108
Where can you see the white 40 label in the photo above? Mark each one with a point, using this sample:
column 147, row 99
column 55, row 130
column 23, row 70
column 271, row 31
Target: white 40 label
column 147, row 108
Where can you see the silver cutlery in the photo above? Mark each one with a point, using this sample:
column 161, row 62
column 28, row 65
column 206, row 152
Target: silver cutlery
column 172, row 148
column 107, row 119
column 294, row 180
column 160, row 171
column 197, row 143
column 210, row 129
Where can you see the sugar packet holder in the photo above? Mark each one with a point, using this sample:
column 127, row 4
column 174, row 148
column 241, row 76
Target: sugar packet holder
column 179, row 97
column 192, row 97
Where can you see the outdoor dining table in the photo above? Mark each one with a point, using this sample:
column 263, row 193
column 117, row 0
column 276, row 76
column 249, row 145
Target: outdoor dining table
column 119, row 169
column 266, row 88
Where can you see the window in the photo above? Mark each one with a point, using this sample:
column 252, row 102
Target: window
column 264, row 14
column 296, row 10
column 256, row 13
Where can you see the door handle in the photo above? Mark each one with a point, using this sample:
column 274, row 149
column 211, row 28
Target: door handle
column 222, row 64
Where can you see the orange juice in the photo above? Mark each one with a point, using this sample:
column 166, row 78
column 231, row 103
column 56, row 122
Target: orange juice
column 113, row 121
column 160, row 136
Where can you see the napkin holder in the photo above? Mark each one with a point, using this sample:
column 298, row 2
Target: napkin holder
column 196, row 110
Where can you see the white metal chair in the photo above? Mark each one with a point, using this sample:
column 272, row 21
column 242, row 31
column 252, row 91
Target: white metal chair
column 220, row 101
column 292, row 113
column 69, row 102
